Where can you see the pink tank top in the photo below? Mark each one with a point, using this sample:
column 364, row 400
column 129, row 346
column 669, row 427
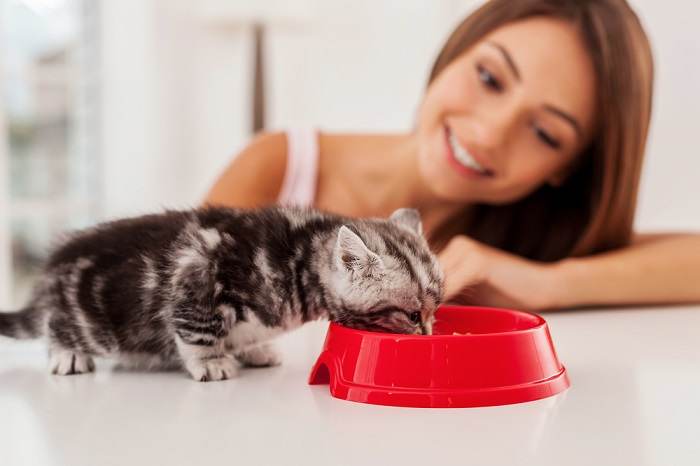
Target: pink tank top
column 299, row 184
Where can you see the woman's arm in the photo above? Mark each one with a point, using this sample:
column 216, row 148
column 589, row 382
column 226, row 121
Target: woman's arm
column 654, row 269
column 254, row 177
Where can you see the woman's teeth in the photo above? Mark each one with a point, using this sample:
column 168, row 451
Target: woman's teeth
column 462, row 156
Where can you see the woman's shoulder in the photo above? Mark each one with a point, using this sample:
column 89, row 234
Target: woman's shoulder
column 255, row 175
column 264, row 159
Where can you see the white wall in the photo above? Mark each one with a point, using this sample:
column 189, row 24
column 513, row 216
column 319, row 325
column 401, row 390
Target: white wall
column 670, row 191
column 172, row 103
column 176, row 90
column 5, row 245
column 362, row 66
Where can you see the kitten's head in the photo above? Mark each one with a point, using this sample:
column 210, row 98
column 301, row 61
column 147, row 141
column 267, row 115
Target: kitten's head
column 385, row 277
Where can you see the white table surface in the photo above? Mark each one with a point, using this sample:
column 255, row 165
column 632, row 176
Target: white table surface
column 634, row 400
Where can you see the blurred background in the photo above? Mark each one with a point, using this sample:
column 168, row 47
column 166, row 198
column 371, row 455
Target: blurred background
column 120, row 107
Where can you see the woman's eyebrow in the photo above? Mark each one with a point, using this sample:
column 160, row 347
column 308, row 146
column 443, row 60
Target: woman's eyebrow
column 507, row 58
column 566, row 117
column 554, row 110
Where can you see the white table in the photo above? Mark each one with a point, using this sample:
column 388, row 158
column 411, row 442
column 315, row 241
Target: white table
column 634, row 400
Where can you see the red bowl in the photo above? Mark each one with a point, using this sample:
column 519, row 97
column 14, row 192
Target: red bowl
column 504, row 357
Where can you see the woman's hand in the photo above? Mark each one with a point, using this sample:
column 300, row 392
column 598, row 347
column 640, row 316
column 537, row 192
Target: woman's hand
column 478, row 274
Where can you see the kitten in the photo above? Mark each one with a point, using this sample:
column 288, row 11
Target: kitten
column 200, row 288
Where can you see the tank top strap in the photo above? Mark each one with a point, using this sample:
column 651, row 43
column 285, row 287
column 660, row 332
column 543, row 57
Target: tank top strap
column 300, row 178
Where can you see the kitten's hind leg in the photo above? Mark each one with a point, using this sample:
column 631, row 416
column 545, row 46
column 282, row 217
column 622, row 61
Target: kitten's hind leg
column 199, row 323
column 63, row 361
column 207, row 363
column 200, row 340
column 261, row 355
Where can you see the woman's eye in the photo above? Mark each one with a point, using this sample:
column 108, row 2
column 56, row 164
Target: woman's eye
column 415, row 317
column 488, row 79
column 546, row 138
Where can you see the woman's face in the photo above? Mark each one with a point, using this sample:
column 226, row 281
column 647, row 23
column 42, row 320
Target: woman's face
column 509, row 114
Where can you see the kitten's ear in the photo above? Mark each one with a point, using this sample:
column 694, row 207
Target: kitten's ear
column 409, row 218
column 351, row 253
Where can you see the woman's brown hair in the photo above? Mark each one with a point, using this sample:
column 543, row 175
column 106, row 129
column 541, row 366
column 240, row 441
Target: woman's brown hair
column 593, row 210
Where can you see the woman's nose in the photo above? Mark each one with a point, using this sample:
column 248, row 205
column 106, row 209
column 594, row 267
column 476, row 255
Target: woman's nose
column 490, row 131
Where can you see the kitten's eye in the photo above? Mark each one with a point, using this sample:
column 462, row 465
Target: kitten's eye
column 415, row 317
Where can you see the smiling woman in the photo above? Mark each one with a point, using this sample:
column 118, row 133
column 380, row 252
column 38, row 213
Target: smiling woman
column 524, row 162
column 555, row 89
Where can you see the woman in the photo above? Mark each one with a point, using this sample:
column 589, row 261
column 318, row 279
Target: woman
column 524, row 163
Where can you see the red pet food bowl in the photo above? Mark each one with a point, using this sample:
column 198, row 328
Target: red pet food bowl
column 496, row 357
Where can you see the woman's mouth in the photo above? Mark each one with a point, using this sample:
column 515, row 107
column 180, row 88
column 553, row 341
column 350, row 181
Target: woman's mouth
column 462, row 160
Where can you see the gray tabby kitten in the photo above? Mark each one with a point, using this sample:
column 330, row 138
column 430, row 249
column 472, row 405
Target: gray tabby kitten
column 200, row 288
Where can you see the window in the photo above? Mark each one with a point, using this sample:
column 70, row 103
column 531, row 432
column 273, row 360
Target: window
column 49, row 104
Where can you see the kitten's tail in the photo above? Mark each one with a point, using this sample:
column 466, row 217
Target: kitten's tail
column 23, row 325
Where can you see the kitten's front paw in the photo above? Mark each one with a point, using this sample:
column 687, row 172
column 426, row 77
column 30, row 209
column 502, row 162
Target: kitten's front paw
column 64, row 362
column 264, row 355
column 208, row 370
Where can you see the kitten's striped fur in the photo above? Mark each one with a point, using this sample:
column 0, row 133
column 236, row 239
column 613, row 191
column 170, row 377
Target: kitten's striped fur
column 199, row 288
